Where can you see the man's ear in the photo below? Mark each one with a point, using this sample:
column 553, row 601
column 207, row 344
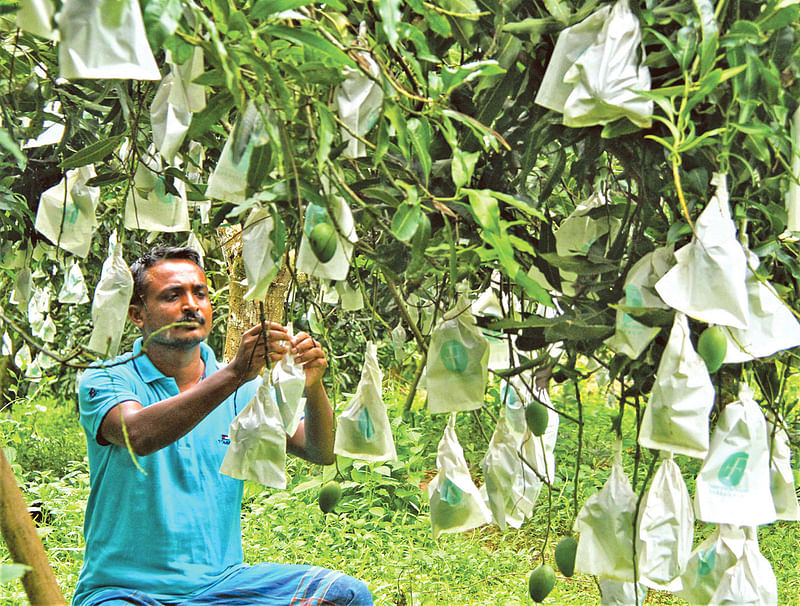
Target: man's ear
column 136, row 314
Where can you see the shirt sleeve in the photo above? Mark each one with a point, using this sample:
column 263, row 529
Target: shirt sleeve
column 99, row 390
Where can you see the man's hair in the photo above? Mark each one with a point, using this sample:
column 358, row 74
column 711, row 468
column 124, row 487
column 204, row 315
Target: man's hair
column 153, row 257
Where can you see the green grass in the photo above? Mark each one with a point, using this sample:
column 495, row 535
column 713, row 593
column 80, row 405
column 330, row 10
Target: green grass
column 380, row 531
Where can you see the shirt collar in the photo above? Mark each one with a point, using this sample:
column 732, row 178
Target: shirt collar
column 148, row 371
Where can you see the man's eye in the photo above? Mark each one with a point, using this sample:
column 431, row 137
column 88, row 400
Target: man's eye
column 202, row 294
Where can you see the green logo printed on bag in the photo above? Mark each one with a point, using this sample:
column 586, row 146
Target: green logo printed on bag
column 71, row 212
column 365, row 425
column 510, row 397
column 451, row 494
column 454, row 356
column 705, row 561
column 732, row 470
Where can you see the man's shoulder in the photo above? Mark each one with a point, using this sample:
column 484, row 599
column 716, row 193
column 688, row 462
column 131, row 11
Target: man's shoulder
column 121, row 365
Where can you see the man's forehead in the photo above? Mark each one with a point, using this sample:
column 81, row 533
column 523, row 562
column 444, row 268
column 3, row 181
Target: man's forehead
column 175, row 272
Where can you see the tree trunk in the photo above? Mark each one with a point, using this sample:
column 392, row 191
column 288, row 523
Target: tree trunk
column 24, row 545
column 245, row 314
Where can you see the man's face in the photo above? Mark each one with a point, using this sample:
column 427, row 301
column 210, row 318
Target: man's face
column 175, row 291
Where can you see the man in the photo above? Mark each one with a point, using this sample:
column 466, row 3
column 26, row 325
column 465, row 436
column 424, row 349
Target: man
column 162, row 524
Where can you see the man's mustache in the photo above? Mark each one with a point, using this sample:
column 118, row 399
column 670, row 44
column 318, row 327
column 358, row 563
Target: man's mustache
column 196, row 318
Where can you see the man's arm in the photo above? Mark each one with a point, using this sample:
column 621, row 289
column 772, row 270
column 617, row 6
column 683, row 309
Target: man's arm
column 152, row 427
column 313, row 440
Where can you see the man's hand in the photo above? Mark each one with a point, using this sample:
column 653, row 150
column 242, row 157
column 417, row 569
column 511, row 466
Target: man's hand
column 310, row 355
column 253, row 349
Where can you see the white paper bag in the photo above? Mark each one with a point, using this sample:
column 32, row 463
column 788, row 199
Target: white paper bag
column 581, row 228
column 194, row 243
column 74, row 288
column 157, row 209
column 676, row 417
column 457, row 366
column 228, row 182
column 487, row 304
column 708, row 281
column 169, row 117
column 607, row 76
column 510, row 486
column 605, row 524
column 363, row 430
column 186, row 73
column 733, row 486
column 104, row 39
column 456, row 504
column 750, row 581
column 793, row 193
column 538, row 451
column 665, row 528
column 619, row 593
column 260, row 266
column 632, row 337
column 351, row 298
column 112, row 296
column 709, row 562
column 289, row 380
column 771, row 325
column 36, row 17
column 784, row 493
column 337, row 267
column 359, row 99
column 174, row 102
column 571, row 44
column 52, row 131
column 42, row 326
column 258, row 443
column 23, row 288
column 66, row 218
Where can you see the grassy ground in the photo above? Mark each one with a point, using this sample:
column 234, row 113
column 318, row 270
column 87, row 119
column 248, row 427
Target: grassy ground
column 380, row 531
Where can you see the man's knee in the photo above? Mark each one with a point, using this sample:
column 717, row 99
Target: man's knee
column 348, row 591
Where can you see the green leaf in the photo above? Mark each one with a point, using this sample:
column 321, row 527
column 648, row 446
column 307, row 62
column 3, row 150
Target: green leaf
column 7, row 143
column 392, row 111
column 326, row 132
column 463, row 166
column 558, row 10
column 787, row 14
column 259, row 167
column 710, row 43
column 405, row 221
column 570, row 330
column 311, row 41
column 106, row 178
column 479, row 129
column 484, row 206
column 532, row 288
column 265, row 8
column 219, row 105
column 461, row 74
column 278, row 236
column 248, row 123
column 161, row 19
column 389, row 10
column 93, row 153
column 419, row 131
column 554, row 176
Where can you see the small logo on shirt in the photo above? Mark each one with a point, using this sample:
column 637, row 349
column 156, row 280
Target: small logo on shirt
column 92, row 392
column 224, row 439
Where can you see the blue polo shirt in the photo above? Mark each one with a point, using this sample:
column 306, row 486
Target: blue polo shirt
column 171, row 529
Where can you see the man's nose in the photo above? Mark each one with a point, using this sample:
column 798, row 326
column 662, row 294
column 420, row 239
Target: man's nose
column 190, row 302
